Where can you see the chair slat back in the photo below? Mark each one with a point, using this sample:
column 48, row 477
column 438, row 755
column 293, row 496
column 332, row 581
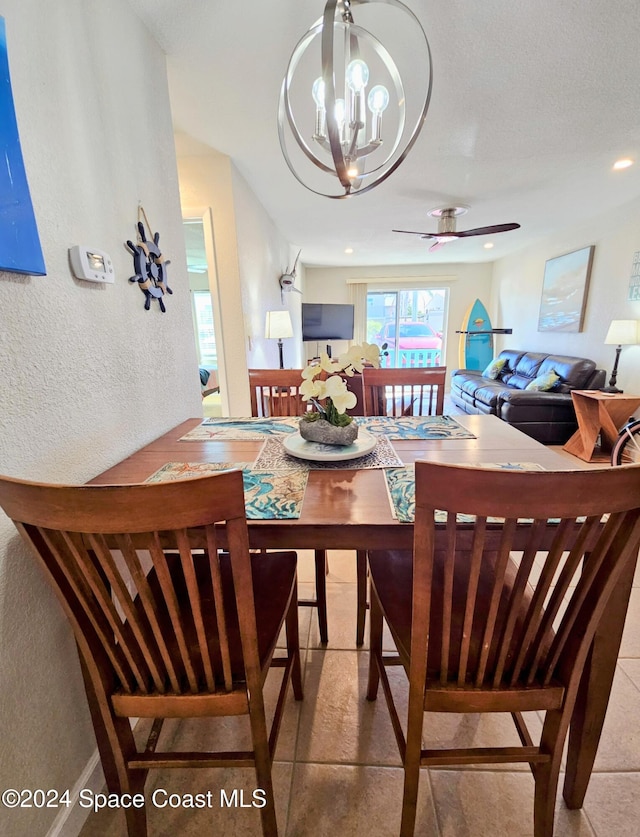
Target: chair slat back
column 404, row 392
column 276, row 392
column 511, row 597
column 151, row 612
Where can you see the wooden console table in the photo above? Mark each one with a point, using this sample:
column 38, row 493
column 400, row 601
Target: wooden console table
column 599, row 414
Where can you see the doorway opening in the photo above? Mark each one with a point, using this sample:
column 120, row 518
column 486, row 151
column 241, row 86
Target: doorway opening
column 202, row 307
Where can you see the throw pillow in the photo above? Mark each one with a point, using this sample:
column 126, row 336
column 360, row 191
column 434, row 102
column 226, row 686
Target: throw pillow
column 494, row 368
column 543, row 383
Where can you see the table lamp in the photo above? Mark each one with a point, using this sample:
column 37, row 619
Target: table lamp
column 277, row 327
column 621, row 333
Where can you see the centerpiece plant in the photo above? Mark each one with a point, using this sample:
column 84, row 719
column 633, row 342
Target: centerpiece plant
column 326, row 389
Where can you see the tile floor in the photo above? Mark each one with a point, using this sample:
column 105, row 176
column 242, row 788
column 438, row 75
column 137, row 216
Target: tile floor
column 337, row 770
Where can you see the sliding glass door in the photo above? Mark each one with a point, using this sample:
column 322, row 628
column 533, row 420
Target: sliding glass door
column 409, row 324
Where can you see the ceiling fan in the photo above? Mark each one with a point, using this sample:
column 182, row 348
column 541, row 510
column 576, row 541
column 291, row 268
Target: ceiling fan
column 447, row 227
column 288, row 279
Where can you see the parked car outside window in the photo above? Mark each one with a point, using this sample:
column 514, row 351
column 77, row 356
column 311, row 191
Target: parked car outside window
column 413, row 335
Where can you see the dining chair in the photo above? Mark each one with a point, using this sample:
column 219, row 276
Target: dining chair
column 499, row 614
column 395, row 392
column 163, row 631
column 404, row 392
column 276, row 392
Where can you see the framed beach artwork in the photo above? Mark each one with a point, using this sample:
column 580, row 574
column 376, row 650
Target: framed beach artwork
column 564, row 291
column 20, row 250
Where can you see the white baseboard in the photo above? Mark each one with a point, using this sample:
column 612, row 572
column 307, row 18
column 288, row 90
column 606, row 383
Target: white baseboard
column 69, row 821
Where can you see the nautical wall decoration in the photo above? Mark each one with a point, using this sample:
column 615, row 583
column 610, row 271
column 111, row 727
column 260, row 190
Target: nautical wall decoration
column 150, row 265
column 20, row 250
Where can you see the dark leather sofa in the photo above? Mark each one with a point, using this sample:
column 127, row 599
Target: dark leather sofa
column 549, row 416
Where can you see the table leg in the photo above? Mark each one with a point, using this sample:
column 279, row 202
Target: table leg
column 583, row 441
column 361, row 575
column 321, row 593
column 594, row 692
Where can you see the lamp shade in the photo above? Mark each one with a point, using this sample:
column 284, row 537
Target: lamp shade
column 623, row 333
column 278, row 325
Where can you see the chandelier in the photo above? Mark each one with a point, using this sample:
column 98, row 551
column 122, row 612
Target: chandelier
column 361, row 120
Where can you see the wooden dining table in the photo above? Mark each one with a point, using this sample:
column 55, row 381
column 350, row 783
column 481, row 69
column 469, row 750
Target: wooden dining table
column 350, row 509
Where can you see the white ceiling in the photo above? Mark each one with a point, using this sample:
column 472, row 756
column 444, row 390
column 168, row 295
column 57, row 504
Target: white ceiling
column 532, row 103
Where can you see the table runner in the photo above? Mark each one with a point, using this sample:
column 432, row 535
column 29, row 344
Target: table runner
column 401, row 489
column 255, row 429
column 245, row 429
column 274, row 457
column 416, row 427
column 268, row 494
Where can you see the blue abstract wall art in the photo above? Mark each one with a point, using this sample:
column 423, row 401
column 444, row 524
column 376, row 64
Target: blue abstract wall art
column 20, row 250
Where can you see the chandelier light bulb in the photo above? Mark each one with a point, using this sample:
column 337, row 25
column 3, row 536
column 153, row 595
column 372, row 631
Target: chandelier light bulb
column 378, row 99
column 317, row 91
column 348, row 145
column 357, row 75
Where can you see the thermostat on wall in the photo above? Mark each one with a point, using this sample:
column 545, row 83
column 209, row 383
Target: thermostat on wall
column 91, row 264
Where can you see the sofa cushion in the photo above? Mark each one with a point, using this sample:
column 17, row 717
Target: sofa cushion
column 544, row 382
column 512, row 357
column 529, row 364
column 517, row 381
column 491, row 392
column 471, row 384
column 494, row 369
column 574, row 372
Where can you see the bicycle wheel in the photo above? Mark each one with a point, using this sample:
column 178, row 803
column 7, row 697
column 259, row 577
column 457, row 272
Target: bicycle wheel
column 626, row 450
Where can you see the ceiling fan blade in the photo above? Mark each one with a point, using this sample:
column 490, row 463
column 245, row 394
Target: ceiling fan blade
column 437, row 245
column 497, row 228
column 412, row 232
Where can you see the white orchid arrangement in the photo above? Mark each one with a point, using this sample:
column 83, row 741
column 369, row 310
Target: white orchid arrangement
column 327, row 390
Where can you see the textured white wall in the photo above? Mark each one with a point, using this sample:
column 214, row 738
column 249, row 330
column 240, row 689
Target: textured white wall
column 250, row 255
column 264, row 255
column 518, row 286
column 205, row 181
column 88, row 376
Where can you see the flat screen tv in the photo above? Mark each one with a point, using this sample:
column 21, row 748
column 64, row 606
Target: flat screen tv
column 327, row 322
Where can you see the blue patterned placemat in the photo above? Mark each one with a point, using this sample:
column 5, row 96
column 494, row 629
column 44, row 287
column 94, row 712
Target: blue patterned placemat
column 273, row 456
column 246, row 429
column 416, row 427
column 268, row 495
column 401, row 487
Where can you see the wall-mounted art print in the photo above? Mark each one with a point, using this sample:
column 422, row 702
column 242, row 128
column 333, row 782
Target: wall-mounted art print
column 20, row 250
column 634, row 279
column 564, row 291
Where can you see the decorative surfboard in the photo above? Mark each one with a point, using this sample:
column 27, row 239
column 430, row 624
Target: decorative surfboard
column 476, row 338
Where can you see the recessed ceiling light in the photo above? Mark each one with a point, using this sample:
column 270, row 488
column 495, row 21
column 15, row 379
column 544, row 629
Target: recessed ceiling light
column 622, row 164
column 349, row 250
column 488, row 245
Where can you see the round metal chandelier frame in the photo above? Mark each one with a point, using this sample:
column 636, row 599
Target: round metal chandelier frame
column 337, row 19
